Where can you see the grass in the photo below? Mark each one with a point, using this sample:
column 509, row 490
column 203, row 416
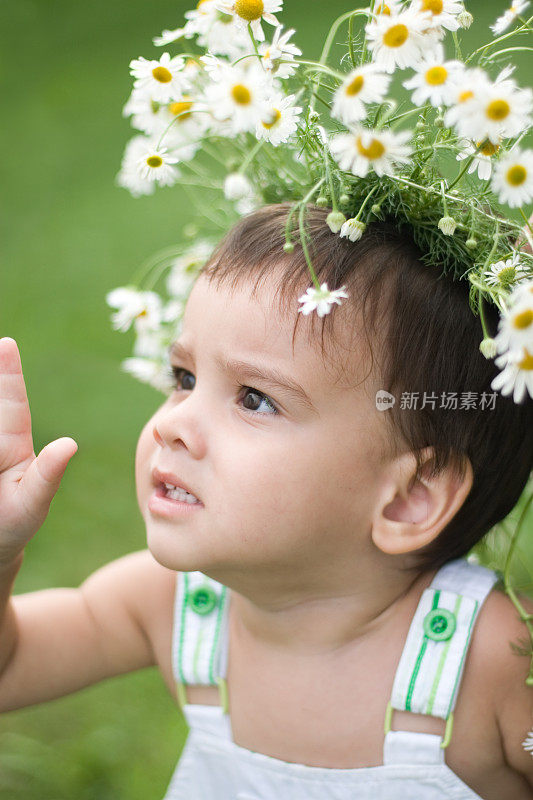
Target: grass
column 68, row 237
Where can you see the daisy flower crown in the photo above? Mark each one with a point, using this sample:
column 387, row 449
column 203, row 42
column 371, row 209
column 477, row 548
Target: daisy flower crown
column 404, row 125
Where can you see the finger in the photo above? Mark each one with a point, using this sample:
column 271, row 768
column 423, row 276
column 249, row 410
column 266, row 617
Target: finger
column 15, row 419
column 41, row 479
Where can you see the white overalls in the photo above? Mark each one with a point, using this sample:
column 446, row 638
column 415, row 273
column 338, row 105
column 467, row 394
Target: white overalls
column 213, row 767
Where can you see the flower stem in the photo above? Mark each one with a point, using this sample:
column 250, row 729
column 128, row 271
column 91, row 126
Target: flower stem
column 251, row 155
column 462, row 172
column 329, row 42
column 301, row 215
column 528, row 223
column 486, row 334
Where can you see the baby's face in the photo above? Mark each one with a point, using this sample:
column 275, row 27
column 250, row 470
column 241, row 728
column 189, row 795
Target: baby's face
column 284, row 482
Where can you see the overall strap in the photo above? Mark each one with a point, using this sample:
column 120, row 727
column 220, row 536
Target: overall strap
column 200, row 633
column 432, row 663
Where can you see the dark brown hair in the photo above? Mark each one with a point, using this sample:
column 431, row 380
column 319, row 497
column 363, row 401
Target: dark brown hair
column 426, row 336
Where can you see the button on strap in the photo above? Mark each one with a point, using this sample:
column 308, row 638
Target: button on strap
column 439, row 624
column 203, row 600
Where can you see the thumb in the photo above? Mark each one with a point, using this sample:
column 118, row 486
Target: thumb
column 41, row 480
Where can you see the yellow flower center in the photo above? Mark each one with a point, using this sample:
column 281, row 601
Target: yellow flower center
column 154, row 161
column 498, row 109
column 355, row 86
column 527, row 361
column 199, row 3
column 143, row 313
column 524, row 319
column 435, row 6
column 466, row 95
column 374, row 150
column 181, row 107
column 436, row 76
column 241, row 94
column 275, row 116
column 162, row 74
column 488, row 149
column 396, row 35
column 516, row 175
column 383, row 9
column 506, row 276
column 249, row 9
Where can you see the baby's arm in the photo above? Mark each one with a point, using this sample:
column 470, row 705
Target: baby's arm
column 507, row 671
column 56, row 641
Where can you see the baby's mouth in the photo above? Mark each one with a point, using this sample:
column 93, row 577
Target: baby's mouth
column 175, row 493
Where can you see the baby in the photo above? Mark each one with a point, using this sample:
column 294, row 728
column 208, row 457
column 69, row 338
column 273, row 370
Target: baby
column 304, row 591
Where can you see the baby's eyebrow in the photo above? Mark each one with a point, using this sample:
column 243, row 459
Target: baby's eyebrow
column 252, row 372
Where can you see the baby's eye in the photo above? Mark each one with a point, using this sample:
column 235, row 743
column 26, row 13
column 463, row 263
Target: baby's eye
column 180, row 375
column 252, row 399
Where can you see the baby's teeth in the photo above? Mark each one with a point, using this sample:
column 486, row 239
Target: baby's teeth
column 180, row 494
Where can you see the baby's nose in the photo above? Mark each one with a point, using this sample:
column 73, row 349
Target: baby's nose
column 176, row 429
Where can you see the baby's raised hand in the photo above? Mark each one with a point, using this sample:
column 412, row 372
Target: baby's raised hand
column 27, row 482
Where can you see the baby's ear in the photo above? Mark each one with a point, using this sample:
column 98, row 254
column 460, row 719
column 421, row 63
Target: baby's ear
column 410, row 513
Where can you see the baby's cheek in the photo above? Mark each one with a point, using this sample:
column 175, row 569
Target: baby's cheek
column 143, row 461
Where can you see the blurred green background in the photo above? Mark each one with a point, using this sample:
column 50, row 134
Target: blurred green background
column 68, row 236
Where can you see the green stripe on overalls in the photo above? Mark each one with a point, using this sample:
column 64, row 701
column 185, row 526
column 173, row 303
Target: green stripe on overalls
column 440, row 667
column 472, row 618
column 420, row 656
column 217, row 632
column 182, row 625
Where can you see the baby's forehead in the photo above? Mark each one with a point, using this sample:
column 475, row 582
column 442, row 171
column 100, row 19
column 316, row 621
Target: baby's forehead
column 260, row 315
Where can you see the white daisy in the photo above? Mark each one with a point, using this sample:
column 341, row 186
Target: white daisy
column 237, row 186
column 388, row 7
column 442, row 12
column 366, row 84
column 352, row 229
column 146, row 115
column 150, row 343
column 320, row 300
column 274, row 56
column 153, row 372
column 134, row 307
column 463, row 93
column 237, row 96
column 499, row 110
column 513, row 178
column 397, row 40
column 214, row 30
column 516, row 375
column 184, row 269
column 161, row 80
column 129, row 176
column 183, row 127
column 251, row 12
column 279, row 120
column 482, row 161
column 166, row 37
column 509, row 16
column 523, row 292
column 506, row 274
column 434, row 78
column 363, row 149
column 515, row 328
column 155, row 164
column 527, row 744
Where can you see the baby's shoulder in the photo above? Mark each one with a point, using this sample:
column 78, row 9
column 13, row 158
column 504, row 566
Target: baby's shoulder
column 500, row 658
